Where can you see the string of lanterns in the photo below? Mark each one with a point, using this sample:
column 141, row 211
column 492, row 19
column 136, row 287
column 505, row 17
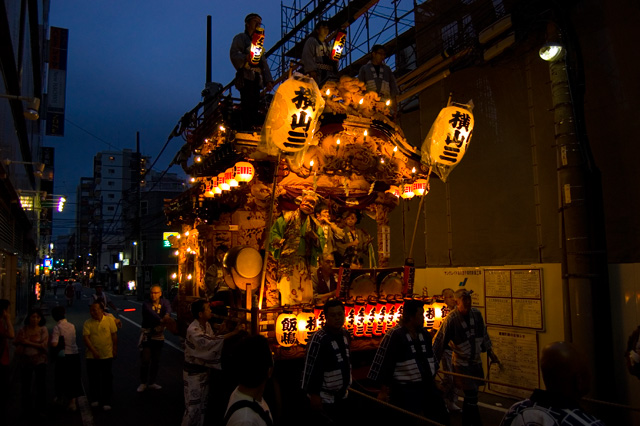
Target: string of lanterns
column 241, row 173
column 363, row 319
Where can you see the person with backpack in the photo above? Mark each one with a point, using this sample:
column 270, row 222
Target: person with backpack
column 253, row 366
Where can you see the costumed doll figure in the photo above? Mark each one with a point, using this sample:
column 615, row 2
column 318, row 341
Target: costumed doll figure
column 297, row 240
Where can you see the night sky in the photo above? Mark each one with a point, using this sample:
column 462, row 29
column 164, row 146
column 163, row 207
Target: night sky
column 138, row 66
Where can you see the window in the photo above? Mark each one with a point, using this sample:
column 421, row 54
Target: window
column 110, row 183
column 112, row 171
column 111, row 195
column 144, row 208
column 111, row 208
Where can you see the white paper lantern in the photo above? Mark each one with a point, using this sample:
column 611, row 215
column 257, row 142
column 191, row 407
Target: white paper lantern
column 293, row 115
column 448, row 139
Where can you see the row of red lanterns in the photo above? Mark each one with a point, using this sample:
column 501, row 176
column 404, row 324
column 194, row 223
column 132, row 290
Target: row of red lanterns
column 241, row 172
column 370, row 318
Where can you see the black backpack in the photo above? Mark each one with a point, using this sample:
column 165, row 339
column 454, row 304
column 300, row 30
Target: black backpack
column 251, row 404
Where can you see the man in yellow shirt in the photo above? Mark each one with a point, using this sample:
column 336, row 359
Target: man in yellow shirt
column 101, row 339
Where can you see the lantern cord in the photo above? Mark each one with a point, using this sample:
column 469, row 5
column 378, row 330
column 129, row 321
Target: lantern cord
column 415, row 225
column 267, row 240
column 408, row 413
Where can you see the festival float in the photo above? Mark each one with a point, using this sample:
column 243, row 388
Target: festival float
column 336, row 145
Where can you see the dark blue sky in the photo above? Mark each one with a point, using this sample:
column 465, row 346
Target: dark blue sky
column 138, row 66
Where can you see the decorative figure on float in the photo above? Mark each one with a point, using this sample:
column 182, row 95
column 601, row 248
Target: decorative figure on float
column 297, row 240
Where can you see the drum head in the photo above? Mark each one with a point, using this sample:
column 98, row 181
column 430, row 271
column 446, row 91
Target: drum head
column 391, row 284
column 363, row 286
column 243, row 264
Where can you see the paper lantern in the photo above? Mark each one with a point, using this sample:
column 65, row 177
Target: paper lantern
column 321, row 320
column 221, row 183
column 287, row 330
column 407, row 191
column 420, row 187
column 349, row 317
column 370, row 316
column 306, row 322
column 448, row 139
column 429, row 315
column 391, row 312
column 257, row 45
column 338, row 45
column 243, row 171
column 399, row 308
column 360, row 318
column 380, row 326
column 293, row 115
column 394, row 190
column 229, row 178
column 438, row 307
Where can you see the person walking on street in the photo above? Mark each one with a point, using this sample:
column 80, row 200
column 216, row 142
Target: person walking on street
column 156, row 315
column 327, row 368
column 77, row 286
column 465, row 332
column 32, row 343
column 68, row 370
column 101, row 296
column 69, row 293
column 405, row 367
column 101, row 340
column 202, row 352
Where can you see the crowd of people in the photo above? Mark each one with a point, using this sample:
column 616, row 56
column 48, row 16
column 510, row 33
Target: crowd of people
column 404, row 367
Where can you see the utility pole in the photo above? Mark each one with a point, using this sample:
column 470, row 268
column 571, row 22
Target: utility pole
column 136, row 226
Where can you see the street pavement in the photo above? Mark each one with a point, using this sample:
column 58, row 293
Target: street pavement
column 166, row 406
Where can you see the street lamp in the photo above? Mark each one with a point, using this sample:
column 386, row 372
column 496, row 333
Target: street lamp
column 551, row 51
column 33, row 105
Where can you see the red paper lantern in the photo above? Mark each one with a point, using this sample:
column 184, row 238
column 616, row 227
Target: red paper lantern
column 371, row 315
column 318, row 311
column 338, row 45
column 360, row 318
column 381, row 313
column 391, row 312
column 257, row 45
column 349, row 317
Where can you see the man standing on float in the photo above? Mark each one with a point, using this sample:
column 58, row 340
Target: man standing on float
column 296, row 242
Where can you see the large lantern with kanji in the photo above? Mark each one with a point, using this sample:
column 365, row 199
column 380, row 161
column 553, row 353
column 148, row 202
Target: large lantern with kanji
column 293, row 115
column 448, row 139
column 306, row 322
column 287, row 329
column 381, row 316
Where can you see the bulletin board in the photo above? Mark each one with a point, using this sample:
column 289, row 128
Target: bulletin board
column 518, row 353
column 513, row 298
